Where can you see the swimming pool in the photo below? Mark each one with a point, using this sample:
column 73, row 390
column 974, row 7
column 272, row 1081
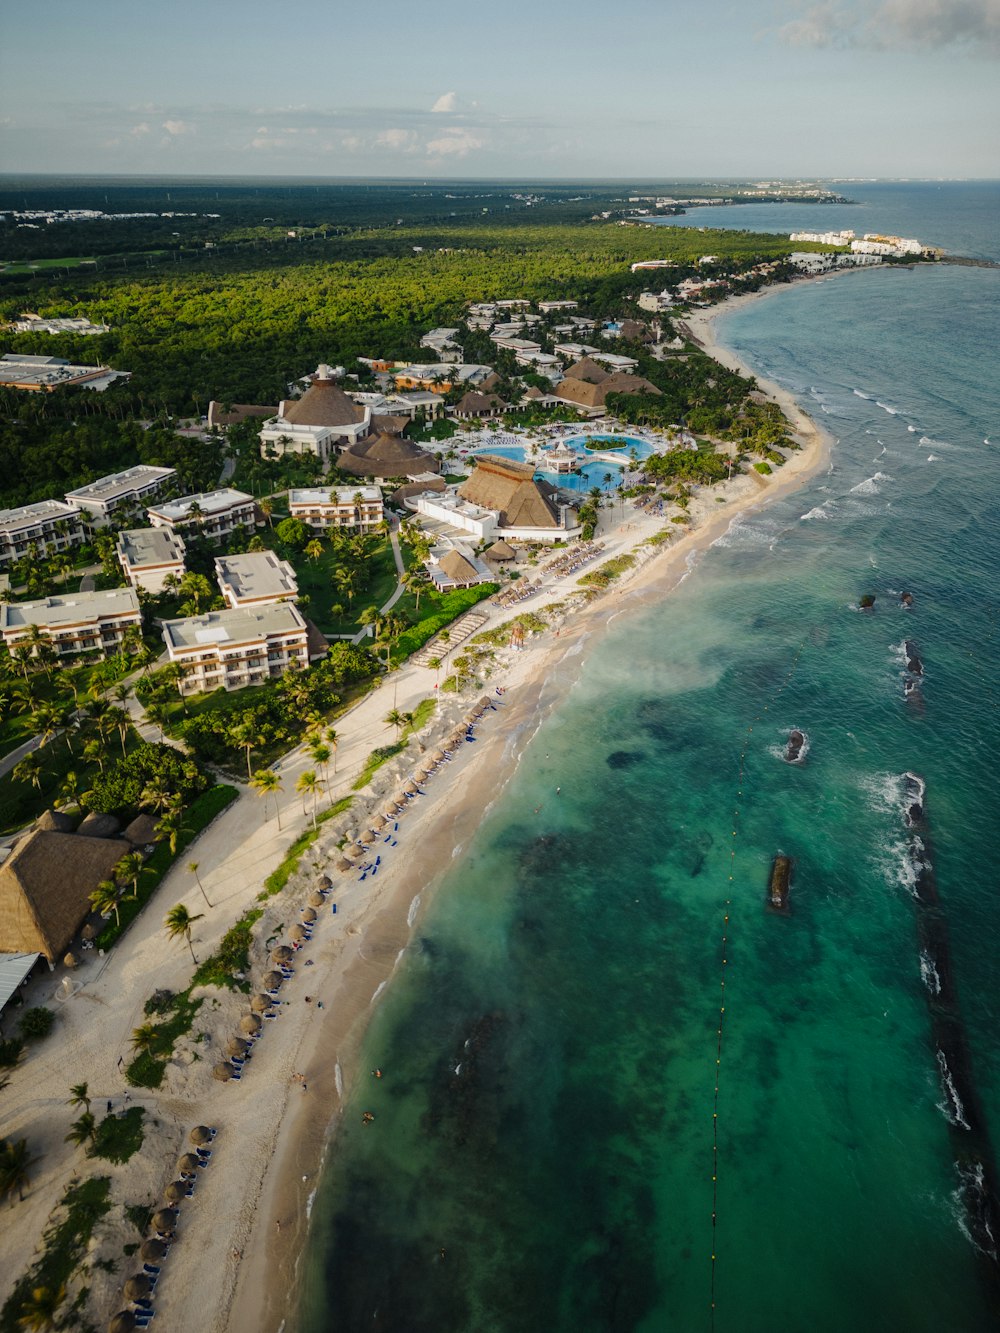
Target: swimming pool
column 600, row 472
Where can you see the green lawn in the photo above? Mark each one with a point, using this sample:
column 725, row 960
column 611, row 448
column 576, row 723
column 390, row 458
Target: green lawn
column 315, row 577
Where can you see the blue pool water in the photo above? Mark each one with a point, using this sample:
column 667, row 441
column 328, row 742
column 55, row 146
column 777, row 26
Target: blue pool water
column 601, row 472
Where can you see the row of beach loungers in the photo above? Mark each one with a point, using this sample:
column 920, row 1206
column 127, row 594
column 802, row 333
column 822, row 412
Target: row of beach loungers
column 573, row 560
column 517, row 592
column 140, row 1288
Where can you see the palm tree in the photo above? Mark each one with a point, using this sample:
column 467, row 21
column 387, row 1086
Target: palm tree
column 82, row 1131
column 105, row 899
column 266, row 507
column 333, row 740
column 178, row 922
column 308, row 782
column 70, row 789
column 15, row 1163
column 313, row 550
column 193, row 869
column 267, row 783
column 158, row 795
column 245, row 736
column 129, row 868
column 394, row 718
column 320, row 754
column 79, row 1095
column 29, row 770
column 170, row 826
column 146, row 1039
column 38, row 1312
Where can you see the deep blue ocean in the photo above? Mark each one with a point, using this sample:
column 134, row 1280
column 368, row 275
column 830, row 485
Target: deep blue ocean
column 546, row 1134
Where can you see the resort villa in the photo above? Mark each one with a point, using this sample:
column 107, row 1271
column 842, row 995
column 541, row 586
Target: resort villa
column 237, row 647
column 110, row 497
column 216, row 514
column 149, row 556
column 255, row 579
column 44, row 528
column 319, row 422
column 356, row 508
column 86, row 622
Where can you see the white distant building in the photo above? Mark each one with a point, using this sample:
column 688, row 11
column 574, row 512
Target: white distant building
column 35, row 324
column 656, row 301
column 574, row 351
column 47, row 526
column 616, row 363
column 108, row 497
column 354, row 508
column 255, row 579
column 894, row 247
column 842, row 238
column 149, row 556
column 323, row 419
column 464, row 516
column 92, row 622
column 45, row 374
column 215, row 514
column 442, row 343
column 547, row 307
column 237, row 647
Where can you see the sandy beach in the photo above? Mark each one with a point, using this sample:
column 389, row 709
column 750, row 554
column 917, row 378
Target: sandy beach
column 240, row 1238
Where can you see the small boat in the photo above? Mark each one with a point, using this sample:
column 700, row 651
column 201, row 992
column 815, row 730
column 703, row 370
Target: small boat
column 780, row 883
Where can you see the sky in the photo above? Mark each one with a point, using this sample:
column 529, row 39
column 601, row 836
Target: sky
column 656, row 89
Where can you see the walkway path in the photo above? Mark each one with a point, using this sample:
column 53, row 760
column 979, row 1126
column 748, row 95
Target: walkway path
column 397, row 592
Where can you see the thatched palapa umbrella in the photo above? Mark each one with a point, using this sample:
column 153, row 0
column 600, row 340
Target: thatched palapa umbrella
column 317, row 899
column 438, row 756
column 122, row 1322
column 261, row 1003
column 200, row 1135
column 152, row 1251
column 308, row 915
column 282, row 954
column 175, row 1191
column 88, row 932
column 343, row 864
column 411, row 786
column 236, row 1048
column 223, row 1071
column 324, row 882
column 188, row 1164
column 137, row 1287
column 353, row 850
column 272, row 980
column 250, row 1024
column 164, row 1220
column 379, row 823
column 69, row 960
column 298, row 934
column 367, row 837
column 485, row 702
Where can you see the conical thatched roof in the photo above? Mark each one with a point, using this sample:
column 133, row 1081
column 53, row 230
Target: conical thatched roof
column 500, row 550
column 308, row 915
column 509, row 488
column 387, row 456
column 460, row 570
column 96, row 825
column 272, row 980
column 324, row 403
column 586, row 369
column 223, row 1071
column 236, row 1048
column 165, row 1219
column 188, row 1164
column 281, row 953
column 45, row 884
column 122, row 1322
column 152, row 1251
column 200, row 1134
column 54, row 821
column 250, row 1024
column 316, row 899
column 298, row 933
column 343, row 864
column 261, row 1003
column 177, row 1189
column 137, row 1287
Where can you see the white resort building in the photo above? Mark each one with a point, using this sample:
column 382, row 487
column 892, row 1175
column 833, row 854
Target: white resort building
column 82, row 623
column 354, row 507
column 238, row 647
column 49, row 526
column 108, row 497
column 149, row 556
column 317, row 423
column 255, row 579
column 216, row 514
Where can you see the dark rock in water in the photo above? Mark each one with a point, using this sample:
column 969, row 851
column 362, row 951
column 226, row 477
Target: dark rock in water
column 780, row 883
column 913, row 799
column 796, row 740
column 906, row 599
column 913, row 663
column 867, row 602
column 624, row 758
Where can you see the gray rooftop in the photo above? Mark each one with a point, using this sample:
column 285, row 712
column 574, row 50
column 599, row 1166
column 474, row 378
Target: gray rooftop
column 237, row 626
column 150, row 546
column 35, row 513
column 210, row 502
column 318, row 495
column 121, row 483
column 256, row 574
column 55, row 612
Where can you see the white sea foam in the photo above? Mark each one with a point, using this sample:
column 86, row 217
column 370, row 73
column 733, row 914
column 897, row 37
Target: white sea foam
column 309, row 1203
column 929, row 973
column 817, row 512
column 859, row 394
column 913, row 429
column 411, row 915
column 378, row 990
column 870, row 486
column 932, row 458
column 893, row 411
column 338, row 1080
column 951, row 1107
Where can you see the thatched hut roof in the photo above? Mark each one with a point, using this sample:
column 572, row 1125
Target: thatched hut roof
column 298, row 933
column 461, row 571
column 323, row 882
column 165, row 1219
column 473, row 404
column 261, row 1003
column 137, row 1287
column 500, row 552
column 379, row 823
column 45, row 885
column 316, row 899
column 236, row 1048
column 122, row 1322
column 272, row 980
column 142, row 831
column 201, row 1134
column 343, row 864
column 586, row 369
column 54, row 821
column 250, row 1024
column 152, row 1251
column 177, row 1189
column 188, row 1164
column 387, row 456
column 366, row 837
column 324, row 403
column 96, row 825
column 223, row 1071
column 308, row 915
column 509, row 488
column 281, row 953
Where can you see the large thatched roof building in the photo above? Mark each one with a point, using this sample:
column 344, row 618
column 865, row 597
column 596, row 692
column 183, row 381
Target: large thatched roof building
column 587, row 385
column 320, row 421
column 45, row 886
column 510, row 489
column 387, row 456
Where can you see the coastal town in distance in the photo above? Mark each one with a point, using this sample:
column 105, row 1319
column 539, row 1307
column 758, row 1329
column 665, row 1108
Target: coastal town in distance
column 301, row 492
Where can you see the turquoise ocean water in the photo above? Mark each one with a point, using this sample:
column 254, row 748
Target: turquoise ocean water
column 542, row 1156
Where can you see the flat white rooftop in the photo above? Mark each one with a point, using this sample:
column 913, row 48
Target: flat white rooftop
column 210, row 502
column 256, row 574
column 237, row 626
column 36, row 513
column 342, row 495
column 150, row 546
column 53, row 612
column 121, row 483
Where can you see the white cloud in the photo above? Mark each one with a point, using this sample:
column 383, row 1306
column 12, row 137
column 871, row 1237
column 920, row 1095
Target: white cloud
column 454, row 143
column 138, row 130
column 446, row 102
column 400, row 141
column 963, row 25
column 176, row 127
